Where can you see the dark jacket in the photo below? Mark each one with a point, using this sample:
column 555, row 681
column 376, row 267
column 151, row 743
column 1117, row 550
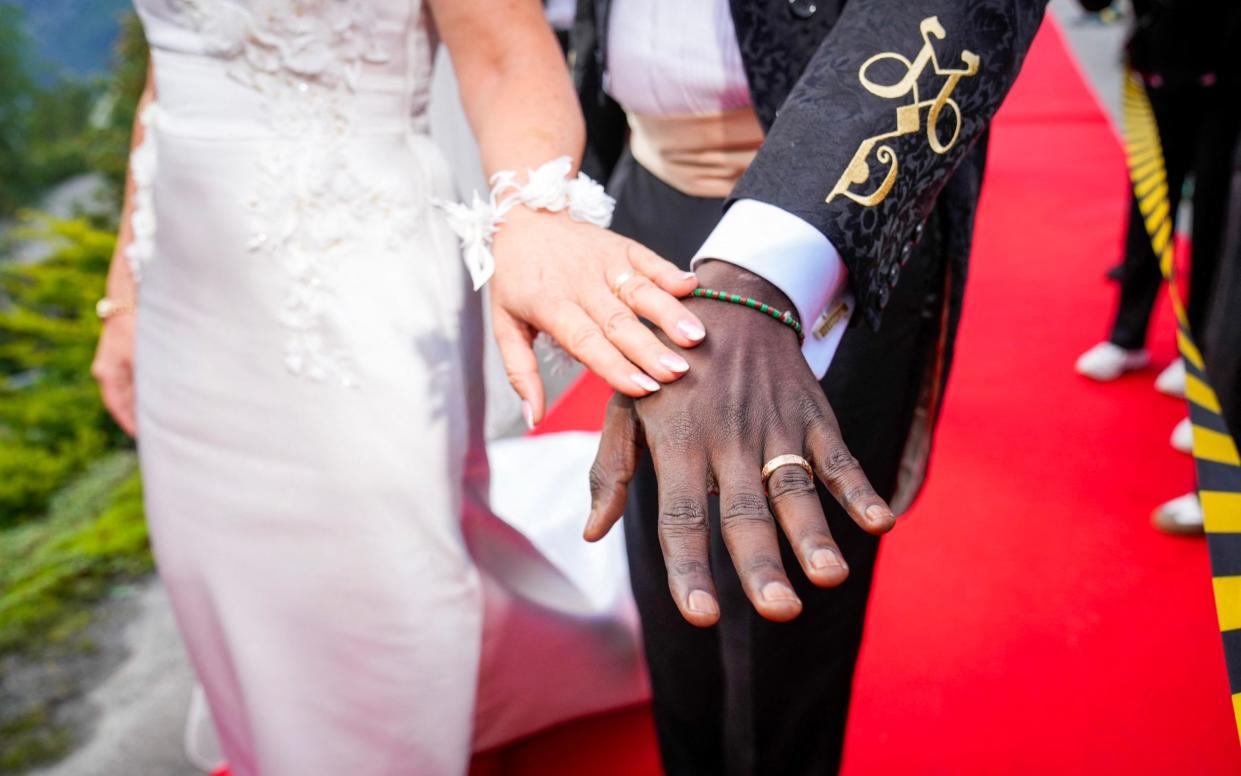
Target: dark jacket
column 915, row 188
column 1179, row 42
column 802, row 60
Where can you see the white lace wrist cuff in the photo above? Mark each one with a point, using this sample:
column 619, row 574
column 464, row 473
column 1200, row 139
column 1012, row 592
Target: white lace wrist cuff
column 547, row 188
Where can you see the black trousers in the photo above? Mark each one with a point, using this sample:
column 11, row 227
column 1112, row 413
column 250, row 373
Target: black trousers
column 750, row 696
column 1197, row 129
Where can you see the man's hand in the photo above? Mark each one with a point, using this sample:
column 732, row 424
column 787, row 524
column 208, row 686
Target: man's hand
column 748, row 397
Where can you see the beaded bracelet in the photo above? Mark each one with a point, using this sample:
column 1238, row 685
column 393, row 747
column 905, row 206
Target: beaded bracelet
column 784, row 317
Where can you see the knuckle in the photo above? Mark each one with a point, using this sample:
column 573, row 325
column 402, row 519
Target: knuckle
column 516, row 377
column 676, row 430
column 599, row 479
column 838, row 463
column 789, row 482
column 607, row 473
column 857, row 493
column 742, row 508
column 688, row 567
column 641, row 286
column 764, row 565
column 683, row 513
column 811, row 412
column 584, row 339
column 617, row 322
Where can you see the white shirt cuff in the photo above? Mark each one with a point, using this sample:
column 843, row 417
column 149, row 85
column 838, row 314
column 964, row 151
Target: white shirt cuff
column 797, row 259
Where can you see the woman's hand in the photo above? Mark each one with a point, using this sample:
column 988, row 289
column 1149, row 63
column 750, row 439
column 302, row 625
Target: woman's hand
column 113, row 368
column 560, row 276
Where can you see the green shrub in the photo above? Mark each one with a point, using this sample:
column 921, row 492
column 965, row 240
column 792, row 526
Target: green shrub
column 52, row 423
column 93, row 536
column 72, row 530
column 91, row 544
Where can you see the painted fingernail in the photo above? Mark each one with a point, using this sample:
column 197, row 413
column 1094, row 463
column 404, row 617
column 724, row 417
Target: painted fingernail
column 692, row 330
column 702, row 602
column 778, row 593
column 644, row 382
column 527, row 412
column 877, row 513
column 824, row 559
column 674, row 362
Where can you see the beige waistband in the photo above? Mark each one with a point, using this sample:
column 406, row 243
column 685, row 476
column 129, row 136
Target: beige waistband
column 700, row 155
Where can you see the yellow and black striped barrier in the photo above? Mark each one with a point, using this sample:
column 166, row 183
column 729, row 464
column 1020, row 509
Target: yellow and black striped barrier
column 1215, row 450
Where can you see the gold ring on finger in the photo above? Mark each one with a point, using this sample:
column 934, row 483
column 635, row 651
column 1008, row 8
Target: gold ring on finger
column 620, row 282
column 770, row 467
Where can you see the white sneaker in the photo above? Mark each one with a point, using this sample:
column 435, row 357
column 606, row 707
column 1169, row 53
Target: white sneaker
column 1172, row 380
column 1181, row 516
column 1106, row 361
column 1182, row 439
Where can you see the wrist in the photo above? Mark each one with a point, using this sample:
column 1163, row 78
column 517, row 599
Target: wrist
column 110, row 307
column 744, row 328
column 519, row 216
column 548, row 188
column 723, row 276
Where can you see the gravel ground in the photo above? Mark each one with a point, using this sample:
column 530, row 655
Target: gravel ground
column 136, row 714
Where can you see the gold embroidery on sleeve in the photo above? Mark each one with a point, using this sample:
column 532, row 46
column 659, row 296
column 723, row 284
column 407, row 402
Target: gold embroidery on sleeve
column 908, row 117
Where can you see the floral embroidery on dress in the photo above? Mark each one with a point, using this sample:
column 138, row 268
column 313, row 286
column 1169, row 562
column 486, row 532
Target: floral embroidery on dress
column 324, row 41
column 142, row 164
column 306, row 57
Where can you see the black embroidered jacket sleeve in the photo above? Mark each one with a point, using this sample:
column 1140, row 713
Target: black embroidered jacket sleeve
column 891, row 102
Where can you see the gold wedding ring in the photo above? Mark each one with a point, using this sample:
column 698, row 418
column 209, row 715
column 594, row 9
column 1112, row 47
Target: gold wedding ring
column 620, row 282
column 770, row 467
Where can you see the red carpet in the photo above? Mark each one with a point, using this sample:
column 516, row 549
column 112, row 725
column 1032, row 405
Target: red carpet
column 1026, row 618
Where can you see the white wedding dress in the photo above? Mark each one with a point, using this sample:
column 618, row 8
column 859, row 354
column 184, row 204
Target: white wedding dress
column 309, row 391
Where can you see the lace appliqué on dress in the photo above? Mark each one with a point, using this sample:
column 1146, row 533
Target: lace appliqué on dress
column 305, row 57
column 142, row 165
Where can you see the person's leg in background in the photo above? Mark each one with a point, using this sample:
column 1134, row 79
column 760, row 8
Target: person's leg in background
column 1141, row 280
column 1214, row 142
column 1218, row 115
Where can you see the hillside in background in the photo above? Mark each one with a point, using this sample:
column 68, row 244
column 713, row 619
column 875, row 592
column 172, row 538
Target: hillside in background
column 76, row 35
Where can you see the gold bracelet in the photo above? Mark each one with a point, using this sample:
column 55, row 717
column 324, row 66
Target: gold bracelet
column 110, row 308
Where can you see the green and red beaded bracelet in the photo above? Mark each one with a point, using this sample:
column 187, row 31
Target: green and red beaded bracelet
column 783, row 316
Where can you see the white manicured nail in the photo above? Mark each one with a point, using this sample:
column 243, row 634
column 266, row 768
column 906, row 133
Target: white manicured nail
column 527, row 412
column 692, row 330
column 644, row 382
column 674, row 362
